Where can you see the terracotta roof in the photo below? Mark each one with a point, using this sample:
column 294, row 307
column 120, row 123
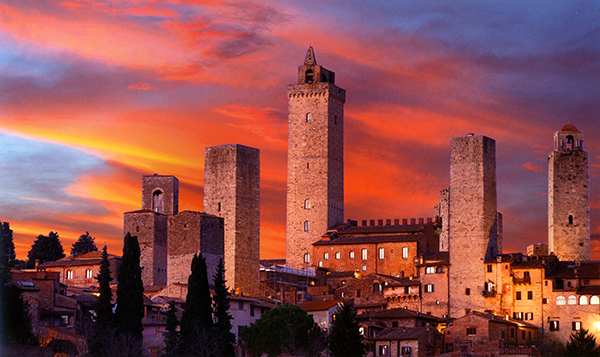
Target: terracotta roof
column 403, row 333
column 388, row 228
column 569, row 127
column 397, row 313
column 25, row 284
column 269, row 262
column 340, row 274
column 589, row 290
column 318, row 305
column 365, row 239
column 436, row 256
column 569, row 270
column 91, row 258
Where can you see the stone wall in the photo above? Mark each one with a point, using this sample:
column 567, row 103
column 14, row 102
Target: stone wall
column 166, row 203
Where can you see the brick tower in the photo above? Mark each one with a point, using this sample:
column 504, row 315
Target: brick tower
column 473, row 221
column 315, row 187
column 232, row 191
column 160, row 200
column 568, row 196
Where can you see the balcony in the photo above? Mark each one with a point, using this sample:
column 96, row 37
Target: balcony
column 489, row 293
column 523, row 280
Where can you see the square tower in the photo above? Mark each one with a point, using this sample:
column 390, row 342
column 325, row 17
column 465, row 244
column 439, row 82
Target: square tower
column 315, row 186
column 232, row 191
column 160, row 193
column 473, row 225
column 568, row 196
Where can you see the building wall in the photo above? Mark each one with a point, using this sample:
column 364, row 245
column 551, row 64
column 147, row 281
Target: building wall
column 315, row 188
column 157, row 189
column 442, row 210
column 531, row 291
column 473, row 225
column 232, row 191
column 435, row 303
column 568, row 197
column 405, row 297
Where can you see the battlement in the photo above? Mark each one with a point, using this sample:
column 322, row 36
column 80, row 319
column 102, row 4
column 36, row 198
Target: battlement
column 396, row 222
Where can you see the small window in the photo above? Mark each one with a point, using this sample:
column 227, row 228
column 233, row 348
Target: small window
column 219, row 207
column 381, row 253
column 518, row 315
column 554, row 325
column 526, row 275
column 439, row 270
column 406, row 350
column 358, row 294
column 376, row 287
column 69, row 274
column 363, row 254
column 320, row 263
column 364, row 268
column 468, row 291
column 471, row 331
column 394, row 323
column 576, row 325
column 251, row 310
column 530, row 295
column 89, row 274
column 326, row 256
column 572, row 300
column 307, row 258
column 570, row 219
column 404, row 252
column 407, row 289
column 306, row 226
column 309, row 77
column 529, row 316
column 429, row 270
column 351, row 254
column 518, row 295
column 64, row 320
column 489, row 268
column 560, row 300
column 338, row 255
column 594, row 300
column 428, row 288
column 383, row 350
column 307, row 204
column 240, row 305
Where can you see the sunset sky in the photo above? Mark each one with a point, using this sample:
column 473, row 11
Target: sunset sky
column 95, row 94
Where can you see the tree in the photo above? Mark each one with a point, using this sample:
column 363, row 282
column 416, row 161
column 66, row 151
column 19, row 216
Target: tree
column 286, row 329
column 582, row 344
column 171, row 334
column 84, row 244
column 223, row 336
column 103, row 324
column 45, row 249
column 196, row 321
column 345, row 338
column 130, row 297
column 7, row 246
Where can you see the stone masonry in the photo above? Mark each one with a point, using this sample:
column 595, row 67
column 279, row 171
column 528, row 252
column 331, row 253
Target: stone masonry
column 232, row 191
column 473, row 220
column 568, row 196
column 160, row 193
column 315, row 188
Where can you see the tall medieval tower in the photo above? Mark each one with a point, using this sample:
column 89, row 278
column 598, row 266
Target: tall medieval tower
column 160, row 200
column 568, row 196
column 315, row 187
column 232, row 191
column 473, row 220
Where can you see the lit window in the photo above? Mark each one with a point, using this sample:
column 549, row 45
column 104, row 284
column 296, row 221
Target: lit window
column 428, row 288
column 363, row 253
column 594, row 300
column 351, row 255
column 383, row 350
column 381, row 253
column 561, row 300
column 576, row 325
column 518, row 315
column 307, row 258
column 89, row 274
column 529, row 316
column 404, row 252
column 572, row 300
column 429, row 270
column 364, row 268
column 69, row 274
column 554, row 325
column 308, row 117
column 307, row 204
column 306, row 226
column 326, row 256
column 338, row 255
column 320, row 263
column 406, row 350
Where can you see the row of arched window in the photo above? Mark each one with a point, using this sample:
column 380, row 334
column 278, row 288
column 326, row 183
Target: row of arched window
column 583, row 300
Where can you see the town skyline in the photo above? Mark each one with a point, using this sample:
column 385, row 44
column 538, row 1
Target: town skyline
column 84, row 114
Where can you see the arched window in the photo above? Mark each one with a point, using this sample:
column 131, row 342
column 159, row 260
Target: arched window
column 363, row 253
column 594, row 300
column 376, row 287
column 572, row 300
column 338, row 255
column 309, row 76
column 326, row 256
column 306, row 226
column 569, row 143
column 308, row 117
column 157, row 201
column 439, row 270
column 560, row 300
column 351, row 254
column 583, row 300
column 307, row 204
column 306, row 258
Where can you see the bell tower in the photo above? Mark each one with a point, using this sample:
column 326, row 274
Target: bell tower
column 315, row 186
column 568, row 196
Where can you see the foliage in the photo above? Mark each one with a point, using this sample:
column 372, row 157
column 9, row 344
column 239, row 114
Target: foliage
column 222, row 328
column 286, row 329
column 345, row 338
column 45, row 249
column 171, row 334
column 196, row 321
column 582, row 344
column 7, row 246
column 130, row 296
column 103, row 307
column 84, row 244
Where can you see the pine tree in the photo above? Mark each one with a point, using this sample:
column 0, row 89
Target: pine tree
column 45, row 249
column 130, row 298
column 7, row 246
column 345, row 338
column 171, row 334
column 582, row 344
column 223, row 336
column 102, row 327
column 197, row 321
column 84, row 244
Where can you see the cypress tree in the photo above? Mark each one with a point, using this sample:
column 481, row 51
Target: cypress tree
column 196, row 321
column 223, row 336
column 344, row 337
column 171, row 333
column 102, row 327
column 582, row 344
column 130, row 298
column 7, row 246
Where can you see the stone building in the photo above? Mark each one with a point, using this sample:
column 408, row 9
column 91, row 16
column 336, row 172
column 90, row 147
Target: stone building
column 568, row 196
column 315, row 178
column 232, row 191
column 80, row 270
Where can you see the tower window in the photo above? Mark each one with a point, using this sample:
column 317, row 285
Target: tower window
column 467, row 291
column 381, row 253
column 307, row 258
column 309, row 76
column 219, row 207
column 157, row 201
column 307, row 204
column 335, row 120
column 308, row 117
column 570, row 219
column 326, row 256
column 569, row 143
column 404, row 252
column 307, row 165
column 306, row 226
column 338, row 255
column 364, row 254
column 351, row 254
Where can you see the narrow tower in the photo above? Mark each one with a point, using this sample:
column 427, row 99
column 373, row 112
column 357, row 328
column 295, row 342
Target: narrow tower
column 568, row 196
column 315, row 187
column 232, row 191
column 473, row 220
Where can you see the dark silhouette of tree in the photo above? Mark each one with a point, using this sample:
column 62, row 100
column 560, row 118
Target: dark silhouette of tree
column 345, row 338
column 223, row 336
column 286, row 329
column 582, row 344
column 171, row 334
column 130, row 298
column 103, row 324
column 84, row 244
column 7, row 246
column 45, row 249
column 197, row 322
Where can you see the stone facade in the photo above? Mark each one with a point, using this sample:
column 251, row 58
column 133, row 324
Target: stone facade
column 473, row 219
column 568, row 196
column 81, row 270
column 232, row 191
column 442, row 213
column 315, row 188
column 192, row 233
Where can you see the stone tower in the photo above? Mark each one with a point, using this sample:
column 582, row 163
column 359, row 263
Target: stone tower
column 315, row 186
column 232, row 191
column 568, row 196
column 473, row 220
column 160, row 200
